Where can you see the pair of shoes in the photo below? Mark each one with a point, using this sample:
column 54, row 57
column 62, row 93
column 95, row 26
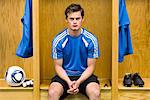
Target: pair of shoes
column 136, row 78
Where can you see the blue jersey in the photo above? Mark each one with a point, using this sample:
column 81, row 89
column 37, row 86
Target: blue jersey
column 125, row 45
column 25, row 47
column 75, row 50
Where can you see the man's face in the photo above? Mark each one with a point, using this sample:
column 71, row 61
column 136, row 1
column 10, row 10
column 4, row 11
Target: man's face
column 74, row 21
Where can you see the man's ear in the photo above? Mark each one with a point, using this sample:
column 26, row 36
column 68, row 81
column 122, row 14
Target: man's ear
column 66, row 21
column 82, row 19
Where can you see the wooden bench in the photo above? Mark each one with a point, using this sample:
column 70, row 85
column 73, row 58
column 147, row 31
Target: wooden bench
column 105, row 91
column 14, row 93
column 20, row 93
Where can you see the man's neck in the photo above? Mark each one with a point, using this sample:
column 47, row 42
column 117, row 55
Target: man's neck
column 74, row 33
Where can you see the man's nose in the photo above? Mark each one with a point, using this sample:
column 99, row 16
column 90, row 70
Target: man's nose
column 74, row 21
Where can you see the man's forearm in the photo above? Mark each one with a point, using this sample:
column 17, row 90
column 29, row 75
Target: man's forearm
column 86, row 74
column 62, row 73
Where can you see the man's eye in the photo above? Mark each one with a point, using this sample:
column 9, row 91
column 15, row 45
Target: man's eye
column 71, row 18
column 77, row 18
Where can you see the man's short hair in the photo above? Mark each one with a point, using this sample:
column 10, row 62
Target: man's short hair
column 74, row 8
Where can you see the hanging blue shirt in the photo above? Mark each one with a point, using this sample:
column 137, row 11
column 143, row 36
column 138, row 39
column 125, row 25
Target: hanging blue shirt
column 25, row 47
column 75, row 50
column 125, row 45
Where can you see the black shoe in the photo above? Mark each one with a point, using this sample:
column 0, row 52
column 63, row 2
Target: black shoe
column 127, row 80
column 137, row 80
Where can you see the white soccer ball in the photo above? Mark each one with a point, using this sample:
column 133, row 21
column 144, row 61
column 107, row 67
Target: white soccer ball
column 15, row 76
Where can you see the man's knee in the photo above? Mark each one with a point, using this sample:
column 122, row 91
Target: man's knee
column 52, row 93
column 96, row 93
column 93, row 90
column 55, row 90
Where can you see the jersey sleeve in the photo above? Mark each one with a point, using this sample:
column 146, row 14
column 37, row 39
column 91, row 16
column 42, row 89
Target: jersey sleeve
column 57, row 52
column 93, row 49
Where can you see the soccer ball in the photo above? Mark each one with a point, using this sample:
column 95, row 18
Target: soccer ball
column 15, row 76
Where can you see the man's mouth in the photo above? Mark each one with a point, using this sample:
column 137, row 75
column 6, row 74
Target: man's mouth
column 75, row 25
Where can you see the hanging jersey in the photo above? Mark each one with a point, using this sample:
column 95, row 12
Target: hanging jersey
column 25, row 47
column 125, row 45
column 75, row 50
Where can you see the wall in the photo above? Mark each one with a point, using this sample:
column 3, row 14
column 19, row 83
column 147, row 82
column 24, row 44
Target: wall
column 140, row 34
column 11, row 12
column 97, row 20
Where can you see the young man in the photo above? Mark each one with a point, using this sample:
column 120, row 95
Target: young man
column 74, row 51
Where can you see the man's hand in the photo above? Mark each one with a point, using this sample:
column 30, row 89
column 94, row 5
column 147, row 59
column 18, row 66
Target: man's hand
column 70, row 84
column 76, row 85
column 73, row 92
column 73, row 89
